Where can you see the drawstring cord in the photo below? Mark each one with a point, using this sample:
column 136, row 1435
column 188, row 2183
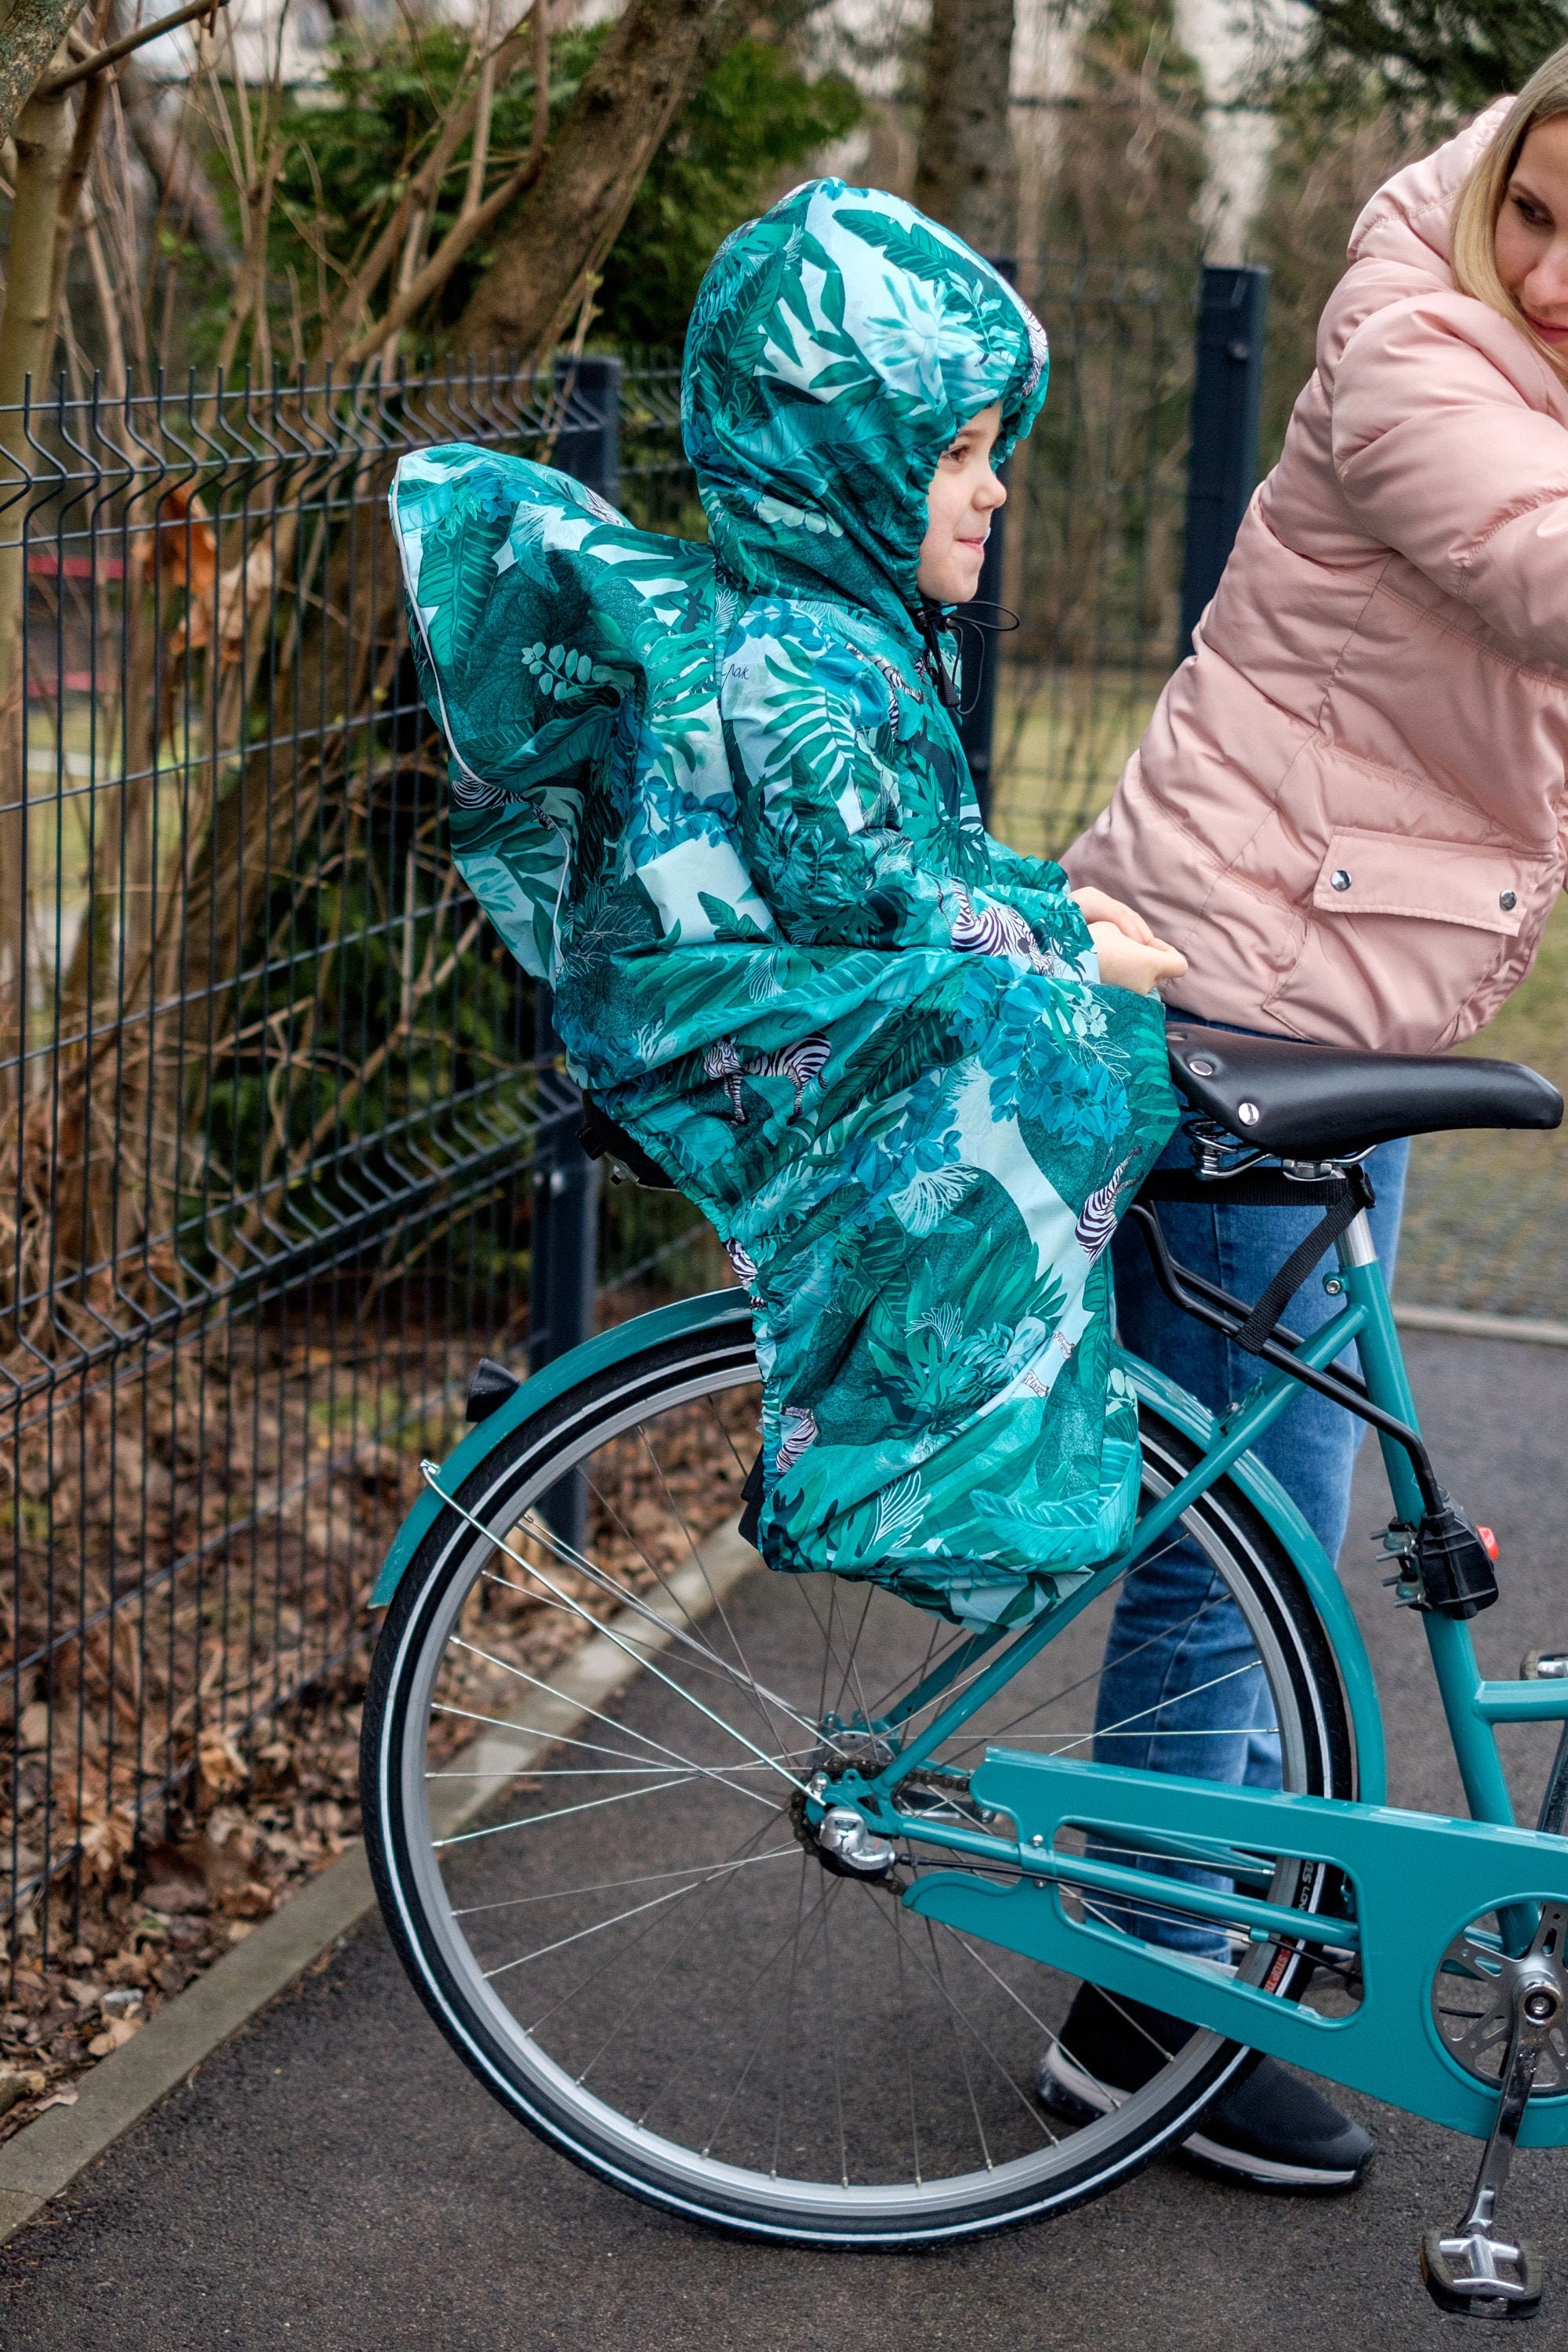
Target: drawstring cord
column 933, row 619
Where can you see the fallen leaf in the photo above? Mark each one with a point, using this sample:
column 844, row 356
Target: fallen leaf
column 35, row 1724
column 66, row 2098
column 115, row 2036
column 107, row 1839
column 175, row 1881
column 252, row 1901
column 182, row 545
column 241, row 589
column 220, row 1765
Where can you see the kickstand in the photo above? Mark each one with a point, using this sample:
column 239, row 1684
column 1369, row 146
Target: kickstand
column 1475, row 2272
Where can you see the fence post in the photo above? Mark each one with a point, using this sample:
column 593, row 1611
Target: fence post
column 977, row 670
column 590, row 453
column 565, row 1180
column 977, row 675
column 1227, row 397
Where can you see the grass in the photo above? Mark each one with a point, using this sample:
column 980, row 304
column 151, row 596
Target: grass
column 1487, row 1215
column 1063, row 737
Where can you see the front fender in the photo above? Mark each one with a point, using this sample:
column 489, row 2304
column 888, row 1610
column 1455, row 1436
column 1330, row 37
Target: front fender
column 596, row 1355
column 1262, row 1490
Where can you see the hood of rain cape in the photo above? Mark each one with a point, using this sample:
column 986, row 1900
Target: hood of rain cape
column 837, row 346
column 711, row 793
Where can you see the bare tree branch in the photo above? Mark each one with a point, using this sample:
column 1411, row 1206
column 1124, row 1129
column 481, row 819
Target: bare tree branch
column 98, row 58
column 187, row 194
column 418, row 195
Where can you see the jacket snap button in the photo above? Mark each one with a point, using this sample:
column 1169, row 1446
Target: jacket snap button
column 1508, row 900
column 1340, row 879
column 1201, row 1069
column 1248, row 1114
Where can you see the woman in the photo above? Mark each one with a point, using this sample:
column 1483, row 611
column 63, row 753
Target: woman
column 1347, row 813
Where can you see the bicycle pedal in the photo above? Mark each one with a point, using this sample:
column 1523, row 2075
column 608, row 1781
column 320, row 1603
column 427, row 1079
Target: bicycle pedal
column 1476, row 2275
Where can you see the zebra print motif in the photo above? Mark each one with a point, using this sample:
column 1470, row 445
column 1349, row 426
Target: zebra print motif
column 1096, row 1219
column 995, row 931
column 722, row 1061
column 799, row 1432
column 800, row 1063
column 744, row 1266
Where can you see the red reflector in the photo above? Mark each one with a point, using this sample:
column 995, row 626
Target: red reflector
column 1489, row 1542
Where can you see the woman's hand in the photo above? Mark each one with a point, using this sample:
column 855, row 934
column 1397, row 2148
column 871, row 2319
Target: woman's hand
column 1126, row 963
column 1097, row 907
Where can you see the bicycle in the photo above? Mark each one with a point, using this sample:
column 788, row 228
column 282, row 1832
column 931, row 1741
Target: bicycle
column 772, row 1936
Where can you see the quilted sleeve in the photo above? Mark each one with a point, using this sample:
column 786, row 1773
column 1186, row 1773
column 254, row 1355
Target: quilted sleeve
column 1450, row 447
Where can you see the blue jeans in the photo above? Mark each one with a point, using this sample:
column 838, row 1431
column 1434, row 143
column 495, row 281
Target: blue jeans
column 1181, row 1689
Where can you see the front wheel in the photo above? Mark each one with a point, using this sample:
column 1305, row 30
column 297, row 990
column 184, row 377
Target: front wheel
column 593, row 1873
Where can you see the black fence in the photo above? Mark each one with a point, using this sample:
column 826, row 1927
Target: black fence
column 283, row 1146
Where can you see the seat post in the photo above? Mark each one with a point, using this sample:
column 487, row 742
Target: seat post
column 1355, row 1245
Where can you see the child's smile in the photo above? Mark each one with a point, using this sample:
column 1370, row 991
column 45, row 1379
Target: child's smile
column 962, row 496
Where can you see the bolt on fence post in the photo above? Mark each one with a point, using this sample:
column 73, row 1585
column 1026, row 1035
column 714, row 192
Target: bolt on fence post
column 565, row 1180
column 1227, row 399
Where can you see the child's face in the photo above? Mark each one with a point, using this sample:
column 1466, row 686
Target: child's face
column 962, row 496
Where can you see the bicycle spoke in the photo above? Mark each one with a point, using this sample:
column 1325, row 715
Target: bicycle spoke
column 643, row 1899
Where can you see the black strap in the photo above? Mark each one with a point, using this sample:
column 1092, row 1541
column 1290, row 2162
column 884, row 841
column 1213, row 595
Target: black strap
column 1263, row 1188
column 930, row 621
column 1344, row 1197
column 602, row 1137
column 1298, row 1266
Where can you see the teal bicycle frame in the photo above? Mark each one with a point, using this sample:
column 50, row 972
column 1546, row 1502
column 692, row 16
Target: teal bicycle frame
column 1417, row 1880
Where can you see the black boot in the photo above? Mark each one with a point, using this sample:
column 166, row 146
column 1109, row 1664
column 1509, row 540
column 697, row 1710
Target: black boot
column 1273, row 2130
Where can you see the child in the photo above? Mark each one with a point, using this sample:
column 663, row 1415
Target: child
column 718, row 798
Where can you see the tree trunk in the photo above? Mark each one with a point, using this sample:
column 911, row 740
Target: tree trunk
column 27, row 337
column 571, row 216
column 965, row 176
column 29, row 36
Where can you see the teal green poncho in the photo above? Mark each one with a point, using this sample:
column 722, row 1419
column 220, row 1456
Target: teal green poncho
column 713, row 795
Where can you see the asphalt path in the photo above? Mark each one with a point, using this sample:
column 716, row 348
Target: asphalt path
column 334, row 2179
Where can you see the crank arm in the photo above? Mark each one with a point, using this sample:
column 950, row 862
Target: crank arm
column 1476, row 2273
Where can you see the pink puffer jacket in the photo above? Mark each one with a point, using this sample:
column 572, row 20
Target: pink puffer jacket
column 1348, row 811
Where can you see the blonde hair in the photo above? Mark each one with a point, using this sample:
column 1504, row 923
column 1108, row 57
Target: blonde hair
column 1472, row 232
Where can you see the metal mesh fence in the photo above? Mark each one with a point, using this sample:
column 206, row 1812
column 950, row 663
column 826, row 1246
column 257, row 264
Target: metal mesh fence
column 268, row 1085
column 269, row 1093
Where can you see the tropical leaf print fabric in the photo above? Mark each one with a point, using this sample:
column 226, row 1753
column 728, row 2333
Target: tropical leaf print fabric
column 712, row 796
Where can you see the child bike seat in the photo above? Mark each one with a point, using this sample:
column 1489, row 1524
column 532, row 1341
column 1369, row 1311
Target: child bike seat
column 1323, row 1102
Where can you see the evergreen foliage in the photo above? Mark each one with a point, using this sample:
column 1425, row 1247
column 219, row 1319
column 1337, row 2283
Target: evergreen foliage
column 1449, row 54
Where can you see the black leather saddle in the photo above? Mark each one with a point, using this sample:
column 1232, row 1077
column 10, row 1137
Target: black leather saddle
column 1320, row 1102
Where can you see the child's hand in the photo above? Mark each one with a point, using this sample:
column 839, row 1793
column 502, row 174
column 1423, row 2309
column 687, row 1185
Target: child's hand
column 1127, row 963
column 1097, row 907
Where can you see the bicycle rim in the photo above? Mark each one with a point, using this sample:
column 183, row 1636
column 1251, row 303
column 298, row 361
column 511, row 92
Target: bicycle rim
column 627, row 1942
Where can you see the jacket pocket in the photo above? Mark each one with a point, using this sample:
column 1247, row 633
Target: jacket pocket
column 1401, row 934
column 1365, row 873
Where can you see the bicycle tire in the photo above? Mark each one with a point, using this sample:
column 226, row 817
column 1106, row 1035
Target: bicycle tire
column 437, row 1946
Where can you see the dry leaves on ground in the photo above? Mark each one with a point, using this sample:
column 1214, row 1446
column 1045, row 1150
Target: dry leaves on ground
column 266, row 1811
